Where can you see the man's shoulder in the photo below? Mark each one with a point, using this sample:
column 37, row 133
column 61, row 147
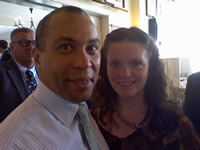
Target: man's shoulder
column 195, row 75
column 32, row 126
column 194, row 79
column 7, row 64
column 19, row 124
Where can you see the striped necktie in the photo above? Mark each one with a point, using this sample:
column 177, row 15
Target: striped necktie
column 31, row 83
column 85, row 122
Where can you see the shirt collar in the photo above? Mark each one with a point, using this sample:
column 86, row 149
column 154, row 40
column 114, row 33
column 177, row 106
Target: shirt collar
column 23, row 69
column 62, row 109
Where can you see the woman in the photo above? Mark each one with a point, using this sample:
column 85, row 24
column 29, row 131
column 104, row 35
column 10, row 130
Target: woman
column 130, row 102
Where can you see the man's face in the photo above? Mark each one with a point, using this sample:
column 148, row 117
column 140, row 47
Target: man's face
column 23, row 54
column 69, row 64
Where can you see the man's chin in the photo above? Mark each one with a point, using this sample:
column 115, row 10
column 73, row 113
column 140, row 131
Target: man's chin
column 79, row 98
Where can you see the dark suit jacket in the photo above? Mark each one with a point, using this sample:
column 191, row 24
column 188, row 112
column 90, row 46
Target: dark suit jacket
column 5, row 56
column 192, row 100
column 12, row 88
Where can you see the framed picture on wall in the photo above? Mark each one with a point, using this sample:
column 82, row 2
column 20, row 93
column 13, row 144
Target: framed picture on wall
column 116, row 3
column 99, row 1
column 151, row 8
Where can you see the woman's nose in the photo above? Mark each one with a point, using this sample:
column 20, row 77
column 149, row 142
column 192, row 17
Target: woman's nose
column 126, row 71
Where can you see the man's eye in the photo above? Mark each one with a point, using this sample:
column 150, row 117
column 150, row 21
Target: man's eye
column 65, row 47
column 25, row 42
column 93, row 49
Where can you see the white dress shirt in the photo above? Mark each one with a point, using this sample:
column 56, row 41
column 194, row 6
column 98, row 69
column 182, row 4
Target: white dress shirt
column 23, row 69
column 46, row 121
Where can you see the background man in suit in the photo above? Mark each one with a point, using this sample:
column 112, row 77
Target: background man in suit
column 3, row 46
column 12, row 73
column 192, row 100
column 6, row 55
column 55, row 116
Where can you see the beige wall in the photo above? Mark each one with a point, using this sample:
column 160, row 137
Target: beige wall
column 111, row 18
column 135, row 15
column 138, row 16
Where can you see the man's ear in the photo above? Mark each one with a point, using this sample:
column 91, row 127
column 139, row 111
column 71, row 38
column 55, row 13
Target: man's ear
column 11, row 47
column 36, row 56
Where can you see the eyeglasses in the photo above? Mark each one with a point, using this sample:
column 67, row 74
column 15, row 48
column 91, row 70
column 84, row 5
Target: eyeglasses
column 25, row 42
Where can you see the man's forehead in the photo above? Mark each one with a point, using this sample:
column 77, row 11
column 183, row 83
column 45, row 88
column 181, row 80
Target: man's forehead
column 71, row 22
column 69, row 15
column 22, row 34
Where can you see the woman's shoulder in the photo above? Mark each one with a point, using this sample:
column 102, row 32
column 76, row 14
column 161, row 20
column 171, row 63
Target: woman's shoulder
column 189, row 138
column 183, row 123
column 184, row 134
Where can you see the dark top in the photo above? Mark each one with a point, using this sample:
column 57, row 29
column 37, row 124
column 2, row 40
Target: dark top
column 143, row 139
column 192, row 100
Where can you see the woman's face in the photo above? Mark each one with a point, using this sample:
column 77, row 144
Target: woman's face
column 127, row 68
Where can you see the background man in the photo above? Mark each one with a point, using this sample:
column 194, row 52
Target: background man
column 67, row 57
column 13, row 79
column 192, row 100
column 3, row 46
column 6, row 55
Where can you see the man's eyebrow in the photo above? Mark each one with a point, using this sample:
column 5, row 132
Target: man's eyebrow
column 65, row 39
column 94, row 41
column 69, row 39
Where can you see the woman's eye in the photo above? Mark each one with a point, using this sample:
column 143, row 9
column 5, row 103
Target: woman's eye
column 136, row 64
column 115, row 64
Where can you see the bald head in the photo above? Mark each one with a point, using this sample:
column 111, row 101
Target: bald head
column 43, row 27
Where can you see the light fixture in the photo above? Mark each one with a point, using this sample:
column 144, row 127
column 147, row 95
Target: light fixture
column 32, row 24
column 18, row 23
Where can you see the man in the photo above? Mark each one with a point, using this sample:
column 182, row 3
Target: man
column 192, row 100
column 13, row 83
column 6, row 55
column 67, row 57
column 3, row 46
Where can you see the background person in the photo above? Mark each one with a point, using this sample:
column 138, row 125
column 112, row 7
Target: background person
column 67, row 57
column 130, row 103
column 6, row 55
column 191, row 105
column 3, row 46
column 13, row 85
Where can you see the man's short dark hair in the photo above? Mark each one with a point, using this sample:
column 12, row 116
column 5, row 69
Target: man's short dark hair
column 3, row 44
column 14, row 32
column 42, row 28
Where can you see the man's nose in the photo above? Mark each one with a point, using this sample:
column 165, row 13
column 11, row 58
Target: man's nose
column 82, row 60
column 31, row 45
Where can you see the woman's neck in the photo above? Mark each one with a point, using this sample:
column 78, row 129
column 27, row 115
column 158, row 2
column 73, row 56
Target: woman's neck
column 133, row 108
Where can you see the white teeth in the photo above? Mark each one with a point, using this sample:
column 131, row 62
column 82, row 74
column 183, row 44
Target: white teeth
column 125, row 83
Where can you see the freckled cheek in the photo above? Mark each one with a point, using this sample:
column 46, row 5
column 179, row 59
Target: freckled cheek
column 113, row 75
column 144, row 74
column 98, row 60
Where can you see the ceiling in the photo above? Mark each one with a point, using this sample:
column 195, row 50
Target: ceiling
column 11, row 11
